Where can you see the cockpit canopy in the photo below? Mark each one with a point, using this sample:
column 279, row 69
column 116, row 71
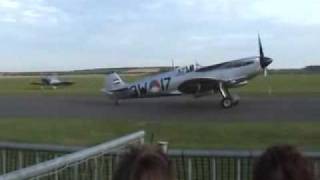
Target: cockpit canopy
column 187, row 69
column 227, row 65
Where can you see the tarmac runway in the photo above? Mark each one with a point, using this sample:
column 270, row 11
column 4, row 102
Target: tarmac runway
column 157, row 109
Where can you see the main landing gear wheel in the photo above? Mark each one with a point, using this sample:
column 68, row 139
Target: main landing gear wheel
column 227, row 103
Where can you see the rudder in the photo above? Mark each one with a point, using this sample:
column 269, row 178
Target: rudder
column 114, row 82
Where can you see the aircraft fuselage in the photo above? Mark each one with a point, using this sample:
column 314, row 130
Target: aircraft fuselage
column 169, row 83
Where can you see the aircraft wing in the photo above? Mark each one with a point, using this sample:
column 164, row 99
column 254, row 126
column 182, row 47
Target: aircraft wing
column 174, row 93
column 63, row 83
column 126, row 89
column 66, row 83
column 197, row 85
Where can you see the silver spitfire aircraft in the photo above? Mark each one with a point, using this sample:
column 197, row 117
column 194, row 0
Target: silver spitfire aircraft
column 193, row 80
column 52, row 81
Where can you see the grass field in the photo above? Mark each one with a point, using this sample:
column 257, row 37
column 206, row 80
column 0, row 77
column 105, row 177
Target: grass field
column 188, row 135
column 277, row 84
column 284, row 84
column 84, row 85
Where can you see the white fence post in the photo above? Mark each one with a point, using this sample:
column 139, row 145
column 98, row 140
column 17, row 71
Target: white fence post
column 95, row 168
column 163, row 146
column 316, row 169
column 37, row 161
column 76, row 172
column 4, row 161
column 189, row 169
column 238, row 169
column 141, row 140
column 213, row 171
column 20, row 160
column 110, row 168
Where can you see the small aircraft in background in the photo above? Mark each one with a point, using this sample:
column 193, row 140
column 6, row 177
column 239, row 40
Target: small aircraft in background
column 193, row 80
column 52, row 81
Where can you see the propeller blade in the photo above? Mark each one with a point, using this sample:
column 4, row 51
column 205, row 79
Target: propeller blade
column 260, row 48
column 264, row 61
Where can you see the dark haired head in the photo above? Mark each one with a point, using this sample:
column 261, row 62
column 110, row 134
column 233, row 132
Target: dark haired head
column 282, row 163
column 144, row 163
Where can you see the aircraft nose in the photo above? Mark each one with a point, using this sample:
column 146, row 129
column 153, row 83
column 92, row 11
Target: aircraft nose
column 266, row 61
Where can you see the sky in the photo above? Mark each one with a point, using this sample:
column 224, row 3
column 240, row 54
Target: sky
column 40, row 35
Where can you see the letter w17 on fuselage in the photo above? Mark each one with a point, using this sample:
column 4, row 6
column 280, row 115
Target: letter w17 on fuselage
column 193, row 80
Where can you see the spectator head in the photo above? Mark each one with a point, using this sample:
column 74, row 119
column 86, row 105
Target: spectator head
column 144, row 163
column 282, row 163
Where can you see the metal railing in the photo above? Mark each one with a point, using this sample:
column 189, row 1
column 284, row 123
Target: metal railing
column 223, row 164
column 189, row 164
column 69, row 166
column 213, row 165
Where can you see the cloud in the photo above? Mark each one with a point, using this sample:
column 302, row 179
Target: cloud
column 289, row 11
column 30, row 12
column 204, row 10
column 9, row 4
column 141, row 32
column 295, row 12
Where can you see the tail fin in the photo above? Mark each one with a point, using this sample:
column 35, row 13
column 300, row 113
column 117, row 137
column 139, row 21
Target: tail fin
column 114, row 82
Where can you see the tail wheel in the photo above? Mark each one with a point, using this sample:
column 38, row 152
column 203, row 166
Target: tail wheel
column 227, row 102
column 116, row 102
